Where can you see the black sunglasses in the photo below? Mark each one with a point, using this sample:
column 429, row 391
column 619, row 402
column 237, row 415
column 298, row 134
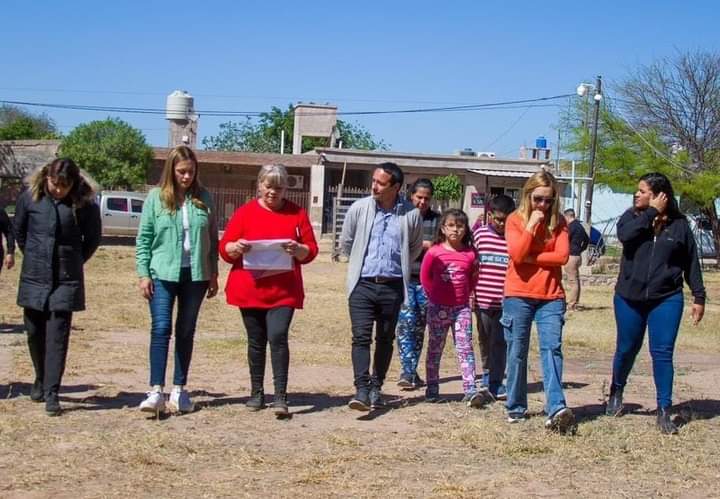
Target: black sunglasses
column 543, row 199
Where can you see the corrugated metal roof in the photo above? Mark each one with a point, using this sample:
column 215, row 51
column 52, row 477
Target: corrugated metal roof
column 245, row 158
column 503, row 173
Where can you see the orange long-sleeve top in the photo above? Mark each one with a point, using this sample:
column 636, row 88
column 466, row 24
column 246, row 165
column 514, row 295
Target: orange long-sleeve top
column 535, row 266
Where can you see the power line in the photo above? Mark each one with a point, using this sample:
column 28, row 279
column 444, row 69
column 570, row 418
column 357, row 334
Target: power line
column 223, row 113
column 230, row 96
column 522, row 115
column 652, row 147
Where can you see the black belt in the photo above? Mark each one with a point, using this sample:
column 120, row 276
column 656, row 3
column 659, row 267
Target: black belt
column 378, row 279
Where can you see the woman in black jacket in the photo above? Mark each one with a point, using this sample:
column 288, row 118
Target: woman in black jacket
column 57, row 227
column 658, row 251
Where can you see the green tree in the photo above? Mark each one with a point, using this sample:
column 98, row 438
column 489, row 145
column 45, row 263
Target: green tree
column 447, row 188
column 263, row 135
column 19, row 124
column 667, row 120
column 112, row 151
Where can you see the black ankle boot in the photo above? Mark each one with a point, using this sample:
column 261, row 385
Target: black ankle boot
column 664, row 422
column 37, row 392
column 52, row 404
column 257, row 400
column 280, row 405
column 614, row 405
column 361, row 400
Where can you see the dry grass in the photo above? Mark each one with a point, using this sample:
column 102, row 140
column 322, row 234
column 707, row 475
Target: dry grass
column 103, row 447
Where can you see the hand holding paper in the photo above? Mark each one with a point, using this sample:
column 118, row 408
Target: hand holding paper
column 268, row 254
column 235, row 249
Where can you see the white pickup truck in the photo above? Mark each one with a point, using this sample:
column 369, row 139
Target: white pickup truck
column 120, row 212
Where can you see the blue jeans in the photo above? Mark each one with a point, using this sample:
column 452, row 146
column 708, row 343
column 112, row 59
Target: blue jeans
column 518, row 314
column 411, row 328
column 189, row 296
column 662, row 319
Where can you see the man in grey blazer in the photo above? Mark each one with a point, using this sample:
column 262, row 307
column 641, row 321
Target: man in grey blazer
column 381, row 235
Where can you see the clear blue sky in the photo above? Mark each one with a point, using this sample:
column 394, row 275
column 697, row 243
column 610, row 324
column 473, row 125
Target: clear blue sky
column 248, row 56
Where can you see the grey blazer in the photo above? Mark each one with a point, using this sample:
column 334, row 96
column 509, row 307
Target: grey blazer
column 355, row 237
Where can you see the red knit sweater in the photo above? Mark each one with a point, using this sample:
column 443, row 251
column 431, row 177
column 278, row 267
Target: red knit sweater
column 251, row 221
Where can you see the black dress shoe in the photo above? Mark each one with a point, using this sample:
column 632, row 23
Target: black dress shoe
column 361, row 401
column 52, row 404
column 376, row 398
column 664, row 422
column 37, row 392
column 614, row 405
column 256, row 401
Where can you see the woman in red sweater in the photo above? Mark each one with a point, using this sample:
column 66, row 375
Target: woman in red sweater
column 268, row 297
column 538, row 246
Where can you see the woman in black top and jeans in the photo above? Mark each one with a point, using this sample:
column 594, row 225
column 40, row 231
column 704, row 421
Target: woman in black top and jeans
column 658, row 250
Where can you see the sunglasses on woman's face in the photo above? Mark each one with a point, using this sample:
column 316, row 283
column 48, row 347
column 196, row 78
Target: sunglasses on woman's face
column 543, row 200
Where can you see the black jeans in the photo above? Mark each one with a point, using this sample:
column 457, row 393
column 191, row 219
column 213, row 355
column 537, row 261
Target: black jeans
column 493, row 349
column 48, row 336
column 263, row 326
column 372, row 304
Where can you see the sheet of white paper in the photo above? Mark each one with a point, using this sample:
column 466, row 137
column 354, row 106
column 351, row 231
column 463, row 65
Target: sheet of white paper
column 267, row 254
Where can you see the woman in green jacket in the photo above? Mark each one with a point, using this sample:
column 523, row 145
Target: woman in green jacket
column 176, row 257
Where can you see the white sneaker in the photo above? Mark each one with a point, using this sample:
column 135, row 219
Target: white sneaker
column 155, row 402
column 180, row 400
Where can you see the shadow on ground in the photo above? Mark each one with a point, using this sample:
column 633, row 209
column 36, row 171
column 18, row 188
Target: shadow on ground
column 11, row 328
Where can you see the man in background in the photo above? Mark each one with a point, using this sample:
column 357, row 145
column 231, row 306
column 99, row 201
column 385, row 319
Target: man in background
column 579, row 241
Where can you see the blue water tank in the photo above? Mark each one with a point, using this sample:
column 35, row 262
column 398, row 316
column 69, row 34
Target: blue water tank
column 541, row 142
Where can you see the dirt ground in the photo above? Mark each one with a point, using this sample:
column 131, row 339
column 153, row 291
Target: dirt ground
column 102, row 446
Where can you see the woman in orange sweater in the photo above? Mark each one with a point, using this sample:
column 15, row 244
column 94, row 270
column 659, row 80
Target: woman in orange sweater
column 538, row 246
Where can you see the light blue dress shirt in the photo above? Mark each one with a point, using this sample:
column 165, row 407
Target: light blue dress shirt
column 383, row 253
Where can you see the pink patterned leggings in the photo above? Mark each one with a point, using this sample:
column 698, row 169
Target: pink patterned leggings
column 439, row 319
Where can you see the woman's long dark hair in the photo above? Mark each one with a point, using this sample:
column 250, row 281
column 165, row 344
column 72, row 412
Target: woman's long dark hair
column 460, row 217
column 660, row 183
column 65, row 171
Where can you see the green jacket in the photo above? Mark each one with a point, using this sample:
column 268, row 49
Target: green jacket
column 158, row 248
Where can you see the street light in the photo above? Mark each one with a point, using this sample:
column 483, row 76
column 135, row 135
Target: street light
column 582, row 90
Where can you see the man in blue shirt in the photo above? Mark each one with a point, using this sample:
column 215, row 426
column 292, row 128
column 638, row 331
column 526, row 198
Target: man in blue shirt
column 381, row 235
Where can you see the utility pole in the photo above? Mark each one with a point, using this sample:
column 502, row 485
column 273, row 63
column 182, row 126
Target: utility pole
column 593, row 150
column 557, row 155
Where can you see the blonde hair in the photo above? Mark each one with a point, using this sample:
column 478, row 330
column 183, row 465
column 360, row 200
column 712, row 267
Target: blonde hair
column 541, row 179
column 167, row 179
column 275, row 175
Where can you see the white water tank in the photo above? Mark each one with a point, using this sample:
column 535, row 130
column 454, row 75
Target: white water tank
column 179, row 105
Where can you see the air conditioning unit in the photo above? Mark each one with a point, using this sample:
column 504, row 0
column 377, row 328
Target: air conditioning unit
column 296, row 181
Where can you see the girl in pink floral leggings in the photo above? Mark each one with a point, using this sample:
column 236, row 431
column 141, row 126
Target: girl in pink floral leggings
column 448, row 275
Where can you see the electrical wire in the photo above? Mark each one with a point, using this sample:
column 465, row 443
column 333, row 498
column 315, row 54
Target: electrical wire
column 652, row 147
column 229, row 96
column 509, row 129
column 141, row 110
